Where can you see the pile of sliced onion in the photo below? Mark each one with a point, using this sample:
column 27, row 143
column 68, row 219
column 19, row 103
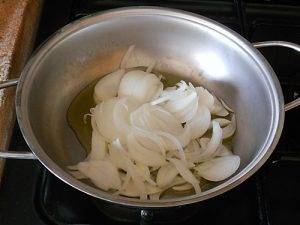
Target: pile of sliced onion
column 147, row 139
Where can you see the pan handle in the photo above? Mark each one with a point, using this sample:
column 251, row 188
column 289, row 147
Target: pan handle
column 285, row 44
column 12, row 154
column 9, row 83
column 17, row 155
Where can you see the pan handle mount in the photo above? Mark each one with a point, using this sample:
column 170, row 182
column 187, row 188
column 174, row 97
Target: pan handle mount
column 285, row 44
column 13, row 154
column 17, row 155
column 9, row 83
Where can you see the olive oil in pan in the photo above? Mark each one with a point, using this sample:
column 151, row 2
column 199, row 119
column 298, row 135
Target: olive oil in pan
column 79, row 107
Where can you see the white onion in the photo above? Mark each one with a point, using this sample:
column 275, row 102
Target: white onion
column 116, row 157
column 107, row 87
column 98, row 147
column 186, row 174
column 226, row 106
column 149, row 140
column 140, row 85
column 133, row 191
column 126, row 56
column 222, row 121
column 172, row 143
column 121, row 114
column 223, row 151
column 199, row 123
column 229, row 130
column 184, row 107
column 193, row 152
column 183, row 187
column 102, row 173
column 77, row 175
column 143, row 155
column 155, row 118
column 213, row 143
column 144, row 173
column 157, row 139
column 181, row 102
column 204, row 97
column 218, row 109
column 104, row 119
column 165, row 175
column 219, row 168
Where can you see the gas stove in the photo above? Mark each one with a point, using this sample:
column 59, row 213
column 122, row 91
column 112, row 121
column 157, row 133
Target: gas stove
column 31, row 195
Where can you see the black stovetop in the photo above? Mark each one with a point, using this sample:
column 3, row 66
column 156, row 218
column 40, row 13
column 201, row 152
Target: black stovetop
column 31, row 195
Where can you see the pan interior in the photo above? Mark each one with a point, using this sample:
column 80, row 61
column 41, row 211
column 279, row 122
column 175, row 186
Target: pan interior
column 93, row 48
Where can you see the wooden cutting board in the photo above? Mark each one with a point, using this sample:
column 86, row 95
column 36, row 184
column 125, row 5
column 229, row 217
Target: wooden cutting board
column 18, row 24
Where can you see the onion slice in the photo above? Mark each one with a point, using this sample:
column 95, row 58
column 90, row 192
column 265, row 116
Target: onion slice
column 229, row 130
column 143, row 155
column 204, row 97
column 219, row 168
column 98, row 147
column 102, row 173
column 186, row 174
column 183, row 187
column 103, row 116
column 140, row 85
column 165, row 175
column 218, row 109
column 107, row 87
column 213, row 143
column 200, row 123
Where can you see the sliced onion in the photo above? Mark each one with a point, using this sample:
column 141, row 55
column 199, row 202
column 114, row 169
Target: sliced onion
column 165, row 175
column 132, row 172
column 194, row 152
column 102, row 173
column 133, row 191
column 149, row 140
column 154, row 197
column 203, row 142
column 184, row 107
column 155, row 118
column 140, row 85
column 126, row 56
column 77, row 175
column 223, row 151
column 98, row 147
column 116, row 157
column 219, row 168
column 205, row 98
column 229, row 130
column 200, row 122
column 145, row 173
column 218, row 108
column 181, row 102
column 165, row 120
column 226, row 106
column 107, row 87
column 222, row 121
column 172, row 143
column 143, row 155
column 213, row 143
column 186, row 174
column 151, row 67
column 183, row 187
column 104, row 119
column 121, row 114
